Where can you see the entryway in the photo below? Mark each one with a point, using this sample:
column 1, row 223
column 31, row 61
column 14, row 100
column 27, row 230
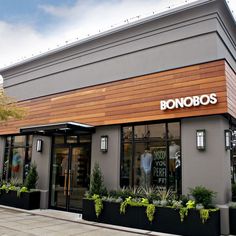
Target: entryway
column 70, row 176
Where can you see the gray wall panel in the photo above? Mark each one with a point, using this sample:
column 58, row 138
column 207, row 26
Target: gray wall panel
column 109, row 162
column 42, row 161
column 121, row 47
column 116, row 54
column 209, row 168
column 176, row 54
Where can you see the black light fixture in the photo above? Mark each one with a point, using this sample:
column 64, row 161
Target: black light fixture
column 228, row 139
column 104, row 143
column 201, row 139
column 39, row 145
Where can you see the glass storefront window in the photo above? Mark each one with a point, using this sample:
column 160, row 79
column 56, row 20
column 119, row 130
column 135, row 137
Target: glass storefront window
column 19, row 140
column 127, row 133
column 151, row 155
column 17, row 163
column 72, row 139
column 126, row 165
column 174, row 131
column 60, row 139
column 17, row 157
column 85, row 138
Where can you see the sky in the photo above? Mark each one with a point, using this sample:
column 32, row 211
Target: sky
column 31, row 27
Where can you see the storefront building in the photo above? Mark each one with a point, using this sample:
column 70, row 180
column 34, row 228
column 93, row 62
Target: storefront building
column 154, row 87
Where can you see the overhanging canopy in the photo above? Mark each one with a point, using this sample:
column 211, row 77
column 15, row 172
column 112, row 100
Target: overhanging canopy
column 58, row 128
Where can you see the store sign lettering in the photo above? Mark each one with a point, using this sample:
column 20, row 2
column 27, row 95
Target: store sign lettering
column 193, row 101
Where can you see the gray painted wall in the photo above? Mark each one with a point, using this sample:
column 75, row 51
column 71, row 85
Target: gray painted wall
column 185, row 37
column 210, row 168
column 42, row 161
column 109, row 162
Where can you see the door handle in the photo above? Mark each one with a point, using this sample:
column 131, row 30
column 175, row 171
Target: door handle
column 69, row 180
column 65, row 181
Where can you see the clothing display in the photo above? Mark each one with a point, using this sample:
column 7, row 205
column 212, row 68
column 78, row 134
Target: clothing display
column 16, row 160
column 146, row 167
column 173, row 151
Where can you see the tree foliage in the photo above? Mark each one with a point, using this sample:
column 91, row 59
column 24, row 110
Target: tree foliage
column 32, row 177
column 9, row 108
column 96, row 184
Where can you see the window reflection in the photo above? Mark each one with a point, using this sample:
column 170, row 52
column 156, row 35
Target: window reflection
column 17, row 157
column 126, row 164
column 127, row 133
column 151, row 155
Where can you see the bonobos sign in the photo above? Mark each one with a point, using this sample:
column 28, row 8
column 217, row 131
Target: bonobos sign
column 193, row 101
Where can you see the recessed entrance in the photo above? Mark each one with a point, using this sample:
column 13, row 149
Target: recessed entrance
column 70, row 176
column 70, row 162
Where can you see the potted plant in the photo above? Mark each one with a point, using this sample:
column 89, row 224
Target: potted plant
column 156, row 210
column 96, row 189
column 26, row 197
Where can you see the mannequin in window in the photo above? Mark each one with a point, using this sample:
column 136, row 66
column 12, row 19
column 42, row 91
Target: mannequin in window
column 174, row 149
column 16, row 161
column 146, row 167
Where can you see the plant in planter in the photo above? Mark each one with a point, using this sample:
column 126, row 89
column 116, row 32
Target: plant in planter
column 15, row 195
column 97, row 182
column 32, row 177
column 153, row 210
column 203, row 198
column 96, row 189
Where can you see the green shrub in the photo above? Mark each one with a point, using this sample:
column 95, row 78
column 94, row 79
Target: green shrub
column 96, row 183
column 32, row 177
column 202, row 195
column 121, row 193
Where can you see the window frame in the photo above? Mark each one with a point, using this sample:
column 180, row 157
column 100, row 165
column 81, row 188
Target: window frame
column 167, row 139
column 8, row 150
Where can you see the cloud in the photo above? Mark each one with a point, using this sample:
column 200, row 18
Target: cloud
column 20, row 41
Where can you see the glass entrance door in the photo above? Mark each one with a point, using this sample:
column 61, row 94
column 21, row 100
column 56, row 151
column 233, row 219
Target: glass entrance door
column 69, row 179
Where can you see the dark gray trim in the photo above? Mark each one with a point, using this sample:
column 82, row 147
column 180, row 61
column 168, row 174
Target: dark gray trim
column 58, row 128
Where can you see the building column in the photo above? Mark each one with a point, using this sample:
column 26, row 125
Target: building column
column 109, row 162
column 43, row 160
column 211, row 167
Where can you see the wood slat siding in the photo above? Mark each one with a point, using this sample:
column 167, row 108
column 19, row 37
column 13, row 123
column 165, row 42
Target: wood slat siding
column 133, row 100
column 231, row 90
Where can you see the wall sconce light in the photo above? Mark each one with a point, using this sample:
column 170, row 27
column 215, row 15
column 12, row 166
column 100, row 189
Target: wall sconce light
column 228, row 139
column 201, row 139
column 104, row 143
column 39, row 145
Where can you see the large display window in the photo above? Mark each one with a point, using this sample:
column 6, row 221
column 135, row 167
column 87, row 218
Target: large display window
column 151, row 155
column 17, row 157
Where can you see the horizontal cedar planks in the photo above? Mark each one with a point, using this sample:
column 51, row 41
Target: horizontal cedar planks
column 150, row 94
column 130, row 100
column 231, row 90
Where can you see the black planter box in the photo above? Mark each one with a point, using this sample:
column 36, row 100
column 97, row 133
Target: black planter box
column 232, row 220
column 166, row 220
column 27, row 200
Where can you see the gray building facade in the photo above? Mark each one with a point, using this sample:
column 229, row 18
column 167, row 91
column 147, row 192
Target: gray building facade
column 186, row 52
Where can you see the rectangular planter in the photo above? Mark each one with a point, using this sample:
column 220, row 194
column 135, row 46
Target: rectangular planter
column 232, row 220
column 27, row 200
column 166, row 220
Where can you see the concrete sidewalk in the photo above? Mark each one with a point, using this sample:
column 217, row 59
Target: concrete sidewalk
column 17, row 222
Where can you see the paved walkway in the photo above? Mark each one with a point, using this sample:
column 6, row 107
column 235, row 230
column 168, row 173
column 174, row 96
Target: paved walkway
column 15, row 222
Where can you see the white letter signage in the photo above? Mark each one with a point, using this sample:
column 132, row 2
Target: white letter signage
column 193, row 101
